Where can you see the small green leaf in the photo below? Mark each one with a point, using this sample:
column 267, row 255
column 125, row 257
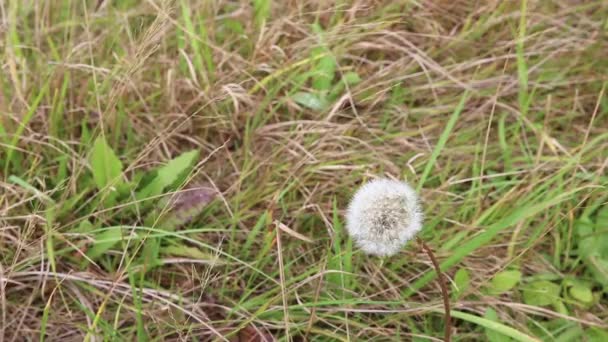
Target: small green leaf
column 124, row 189
column 104, row 241
column 169, row 174
column 560, row 307
column 462, row 280
column 588, row 244
column 504, row 281
column 324, row 74
column 541, row 293
column 325, row 67
column 581, row 292
column 150, row 254
column 593, row 236
column 309, row 100
column 601, row 231
column 106, row 166
column 572, row 334
column 84, row 227
column 599, row 269
column 594, row 334
column 261, row 10
column 602, row 218
column 351, row 78
column 233, row 25
column 493, row 335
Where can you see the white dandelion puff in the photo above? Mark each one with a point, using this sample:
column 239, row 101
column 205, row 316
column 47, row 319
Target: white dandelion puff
column 383, row 215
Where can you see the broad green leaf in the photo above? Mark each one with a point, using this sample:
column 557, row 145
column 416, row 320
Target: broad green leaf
column 324, row 74
column 601, row 230
column 84, row 227
column 602, row 217
column 560, row 307
column 179, row 208
column 261, row 10
column 581, row 292
column 599, row 269
column 541, row 293
column 493, row 335
column 233, row 25
column 106, row 166
column 177, row 169
column 504, row 281
column 309, row 100
column 151, row 252
column 594, row 334
column 104, row 241
column 593, row 239
column 169, row 174
column 588, row 244
column 570, row 335
column 124, row 189
column 325, row 67
column 462, row 280
column 351, row 78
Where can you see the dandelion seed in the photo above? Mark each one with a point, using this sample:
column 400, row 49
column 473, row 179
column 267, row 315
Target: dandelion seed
column 383, row 215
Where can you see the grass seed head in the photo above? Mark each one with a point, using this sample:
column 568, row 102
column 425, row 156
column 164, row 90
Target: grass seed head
column 383, row 215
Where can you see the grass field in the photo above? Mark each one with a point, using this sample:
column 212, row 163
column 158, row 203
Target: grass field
column 180, row 170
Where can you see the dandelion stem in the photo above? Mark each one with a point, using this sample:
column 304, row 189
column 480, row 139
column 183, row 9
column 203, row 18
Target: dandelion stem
column 444, row 289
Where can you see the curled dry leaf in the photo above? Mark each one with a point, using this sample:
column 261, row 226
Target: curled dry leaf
column 181, row 207
column 292, row 232
column 253, row 334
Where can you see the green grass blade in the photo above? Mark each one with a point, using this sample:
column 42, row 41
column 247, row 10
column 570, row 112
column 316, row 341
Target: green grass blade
column 496, row 326
column 22, row 125
column 442, row 140
column 523, row 212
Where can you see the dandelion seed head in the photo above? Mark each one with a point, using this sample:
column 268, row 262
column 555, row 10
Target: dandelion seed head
column 383, row 215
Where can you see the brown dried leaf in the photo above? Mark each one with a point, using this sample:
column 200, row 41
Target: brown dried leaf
column 181, row 207
column 252, row 334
